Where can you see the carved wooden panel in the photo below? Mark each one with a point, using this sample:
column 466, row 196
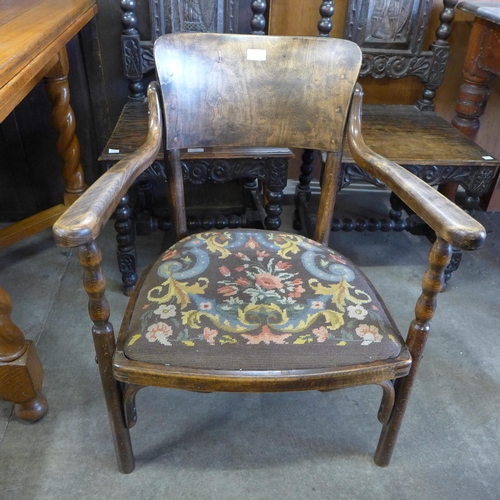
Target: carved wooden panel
column 388, row 24
column 391, row 34
column 475, row 180
column 171, row 16
column 271, row 170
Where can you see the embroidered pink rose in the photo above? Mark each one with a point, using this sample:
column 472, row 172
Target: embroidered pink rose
column 170, row 255
column 242, row 256
column 268, row 281
column 242, row 282
column 239, row 268
column 224, row 271
column 297, row 292
column 159, row 332
column 266, row 336
column 321, row 333
column 336, row 258
column 261, row 254
column 283, row 265
column 298, row 289
column 210, row 335
column 369, row 334
column 251, row 243
column 227, row 290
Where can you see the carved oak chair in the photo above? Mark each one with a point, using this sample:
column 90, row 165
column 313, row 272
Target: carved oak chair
column 222, row 188
column 249, row 310
column 391, row 35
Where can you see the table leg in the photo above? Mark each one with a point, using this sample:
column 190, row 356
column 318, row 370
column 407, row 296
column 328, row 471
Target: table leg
column 63, row 120
column 474, row 91
column 21, row 373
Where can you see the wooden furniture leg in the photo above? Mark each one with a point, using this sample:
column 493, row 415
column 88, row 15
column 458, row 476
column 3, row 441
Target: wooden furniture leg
column 21, row 373
column 474, row 92
column 125, row 251
column 63, row 120
column 104, row 341
column 432, row 284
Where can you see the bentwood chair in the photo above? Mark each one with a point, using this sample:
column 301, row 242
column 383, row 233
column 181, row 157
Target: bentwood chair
column 257, row 310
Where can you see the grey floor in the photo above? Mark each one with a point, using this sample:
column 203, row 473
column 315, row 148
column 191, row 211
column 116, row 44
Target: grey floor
column 239, row 446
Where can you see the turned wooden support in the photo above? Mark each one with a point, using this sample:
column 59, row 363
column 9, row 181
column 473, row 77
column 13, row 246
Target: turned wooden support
column 63, row 120
column 326, row 11
column 104, row 341
column 432, row 284
column 131, row 52
column 126, row 251
column 21, row 373
column 474, row 91
column 273, row 209
column 258, row 19
column 440, row 49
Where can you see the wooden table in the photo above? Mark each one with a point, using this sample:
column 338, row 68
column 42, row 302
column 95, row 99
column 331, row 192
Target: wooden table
column 481, row 66
column 33, row 38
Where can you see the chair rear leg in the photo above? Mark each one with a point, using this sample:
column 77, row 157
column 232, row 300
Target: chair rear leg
column 303, row 190
column 125, row 251
column 432, row 284
column 104, row 341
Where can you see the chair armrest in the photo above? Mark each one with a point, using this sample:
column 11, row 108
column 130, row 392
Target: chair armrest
column 83, row 221
column 448, row 220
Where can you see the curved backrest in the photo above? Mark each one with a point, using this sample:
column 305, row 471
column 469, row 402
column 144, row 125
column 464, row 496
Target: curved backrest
column 244, row 90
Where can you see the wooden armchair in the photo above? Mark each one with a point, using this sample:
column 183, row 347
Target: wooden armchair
column 391, row 36
column 250, row 310
column 222, row 188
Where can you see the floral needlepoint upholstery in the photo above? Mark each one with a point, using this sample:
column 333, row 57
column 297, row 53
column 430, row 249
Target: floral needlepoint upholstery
column 274, row 299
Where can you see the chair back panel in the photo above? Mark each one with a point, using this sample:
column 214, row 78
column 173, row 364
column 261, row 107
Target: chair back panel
column 391, row 34
column 243, row 90
column 191, row 16
column 167, row 16
column 388, row 24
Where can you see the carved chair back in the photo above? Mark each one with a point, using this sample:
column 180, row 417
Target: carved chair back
column 391, row 34
column 168, row 16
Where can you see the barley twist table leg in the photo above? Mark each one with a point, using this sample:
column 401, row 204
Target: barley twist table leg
column 63, row 120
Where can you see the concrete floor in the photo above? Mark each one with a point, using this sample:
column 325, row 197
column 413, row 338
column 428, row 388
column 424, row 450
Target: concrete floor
column 273, row 446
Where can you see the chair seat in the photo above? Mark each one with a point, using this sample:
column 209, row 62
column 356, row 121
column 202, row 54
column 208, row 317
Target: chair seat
column 256, row 300
column 132, row 127
column 418, row 138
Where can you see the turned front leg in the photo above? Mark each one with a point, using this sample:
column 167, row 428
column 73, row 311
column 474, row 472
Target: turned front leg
column 63, row 120
column 21, row 373
column 104, row 342
column 432, row 284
